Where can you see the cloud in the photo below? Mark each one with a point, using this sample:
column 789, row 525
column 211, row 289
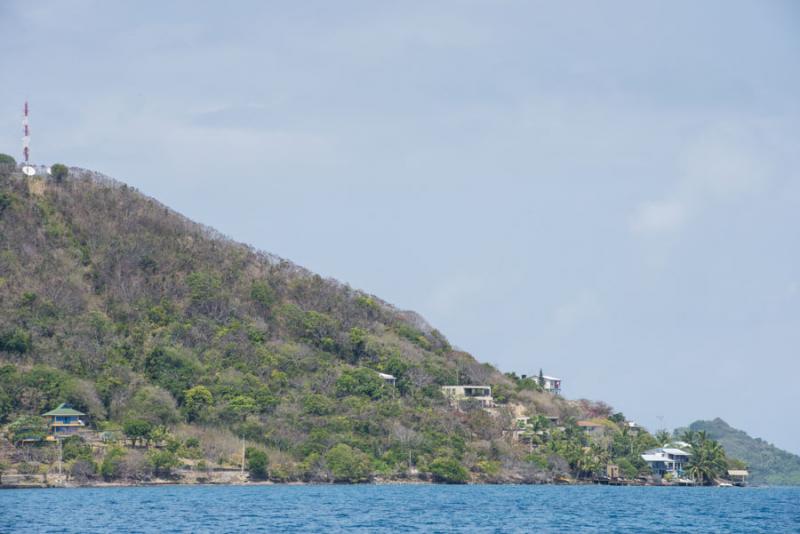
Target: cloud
column 723, row 164
column 659, row 217
column 580, row 308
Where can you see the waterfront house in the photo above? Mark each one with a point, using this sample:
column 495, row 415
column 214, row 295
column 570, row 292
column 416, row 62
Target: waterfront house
column 63, row 422
column 664, row 460
column 480, row 394
column 738, row 476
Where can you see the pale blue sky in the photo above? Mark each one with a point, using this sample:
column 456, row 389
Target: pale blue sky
column 609, row 191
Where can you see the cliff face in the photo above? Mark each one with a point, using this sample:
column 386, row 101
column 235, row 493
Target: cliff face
column 113, row 302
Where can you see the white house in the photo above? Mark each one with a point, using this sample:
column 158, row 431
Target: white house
column 665, row 460
column 551, row 384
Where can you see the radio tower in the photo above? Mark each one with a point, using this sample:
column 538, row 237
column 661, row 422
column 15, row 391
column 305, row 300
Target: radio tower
column 26, row 135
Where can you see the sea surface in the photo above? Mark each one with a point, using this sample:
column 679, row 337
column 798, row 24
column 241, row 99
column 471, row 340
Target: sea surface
column 400, row 508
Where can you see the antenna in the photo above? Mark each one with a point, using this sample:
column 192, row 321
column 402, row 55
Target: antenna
column 26, row 143
column 26, row 135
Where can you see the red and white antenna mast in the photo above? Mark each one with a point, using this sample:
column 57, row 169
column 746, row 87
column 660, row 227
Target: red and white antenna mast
column 26, row 135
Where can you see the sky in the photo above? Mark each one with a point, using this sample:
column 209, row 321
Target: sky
column 607, row 191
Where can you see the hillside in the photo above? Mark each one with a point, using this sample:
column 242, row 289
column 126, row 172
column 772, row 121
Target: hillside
column 133, row 314
column 767, row 463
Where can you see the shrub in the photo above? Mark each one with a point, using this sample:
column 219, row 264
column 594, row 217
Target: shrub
column 74, row 448
column 111, row 468
column 137, row 430
column 257, row 463
column 59, row 172
column 16, row 340
column 347, row 464
column 7, row 165
column 163, row 462
column 196, row 401
column 361, row 381
column 28, row 427
column 448, row 471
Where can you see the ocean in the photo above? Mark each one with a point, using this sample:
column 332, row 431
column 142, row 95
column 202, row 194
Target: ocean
column 400, row 508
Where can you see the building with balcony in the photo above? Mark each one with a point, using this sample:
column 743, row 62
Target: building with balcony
column 664, row 460
column 63, row 422
column 481, row 394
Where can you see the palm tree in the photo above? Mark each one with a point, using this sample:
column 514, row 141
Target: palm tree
column 707, row 461
column 662, row 437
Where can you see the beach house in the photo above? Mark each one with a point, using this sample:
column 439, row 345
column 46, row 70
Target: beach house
column 64, row 421
column 664, row 460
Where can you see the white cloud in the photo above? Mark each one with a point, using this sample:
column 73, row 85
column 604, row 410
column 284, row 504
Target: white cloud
column 722, row 164
column 582, row 307
column 659, row 217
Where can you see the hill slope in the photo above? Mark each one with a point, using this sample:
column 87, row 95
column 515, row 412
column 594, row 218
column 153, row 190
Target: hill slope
column 767, row 463
column 126, row 309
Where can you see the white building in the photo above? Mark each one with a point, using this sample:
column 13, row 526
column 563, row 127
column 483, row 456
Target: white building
column 665, row 460
column 551, row 384
column 389, row 379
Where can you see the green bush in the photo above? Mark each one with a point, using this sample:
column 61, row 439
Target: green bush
column 111, row 468
column 59, row 172
column 74, row 448
column 137, row 430
column 196, row 402
column 448, row 471
column 16, row 340
column 361, row 381
column 163, row 462
column 347, row 464
column 257, row 463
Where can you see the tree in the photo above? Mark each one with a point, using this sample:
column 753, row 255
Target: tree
column 257, row 463
column 59, row 172
column 196, row 401
column 7, row 165
column 361, row 381
column 28, row 427
column 662, row 437
column 707, row 461
column 541, row 377
column 163, row 462
column 137, row 430
column 347, row 464
column 448, row 471
column 111, row 468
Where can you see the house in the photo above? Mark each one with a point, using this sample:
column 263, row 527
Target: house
column 665, row 460
column 738, row 476
column 593, row 427
column 389, row 379
column 63, row 422
column 481, row 394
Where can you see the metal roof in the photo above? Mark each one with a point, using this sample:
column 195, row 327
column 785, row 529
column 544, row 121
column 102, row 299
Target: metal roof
column 63, row 410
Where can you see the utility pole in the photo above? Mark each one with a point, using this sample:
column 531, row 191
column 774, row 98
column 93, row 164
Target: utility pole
column 243, row 454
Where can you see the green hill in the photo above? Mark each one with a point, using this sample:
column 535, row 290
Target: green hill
column 137, row 316
column 767, row 463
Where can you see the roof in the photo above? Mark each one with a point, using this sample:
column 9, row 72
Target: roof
column 589, row 424
column 738, row 472
column 550, row 378
column 670, row 450
column 63, row 409
column 386, row 377
column 655, row 457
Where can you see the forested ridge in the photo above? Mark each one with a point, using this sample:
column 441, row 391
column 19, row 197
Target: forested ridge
column 178, row 343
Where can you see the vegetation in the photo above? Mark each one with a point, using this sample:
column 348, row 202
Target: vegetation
column 59, row 172
column 177, row 343
column 766, row 463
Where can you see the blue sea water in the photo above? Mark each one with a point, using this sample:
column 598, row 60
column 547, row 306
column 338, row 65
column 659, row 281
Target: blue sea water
column 401, row 508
